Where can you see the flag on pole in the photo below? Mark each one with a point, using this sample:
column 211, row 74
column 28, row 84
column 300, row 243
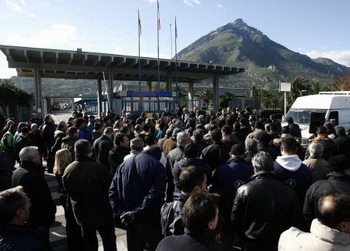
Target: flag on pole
column 175, row 29
column 140, row 28
column 158, row 16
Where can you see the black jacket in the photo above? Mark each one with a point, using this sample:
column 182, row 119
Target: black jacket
column 43, row 209
column 263, row 208
column 116, row 157
column 335, row 181
column 101, row 148
column 191, row 241
column 23, row 238
column 216, row 155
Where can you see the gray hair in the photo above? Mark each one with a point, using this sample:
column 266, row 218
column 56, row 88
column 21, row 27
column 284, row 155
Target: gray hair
column 262, row 161
column 315, row 150
column 136, row 144
column 251, row 145
column 182, row 137
column 27, row 153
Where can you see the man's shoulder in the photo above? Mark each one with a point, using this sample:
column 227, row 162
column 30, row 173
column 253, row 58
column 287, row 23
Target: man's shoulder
column 293, row 238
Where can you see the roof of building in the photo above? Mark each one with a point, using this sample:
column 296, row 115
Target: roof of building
column 91, row 65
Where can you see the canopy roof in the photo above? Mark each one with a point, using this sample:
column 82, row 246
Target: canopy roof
column 90, row 65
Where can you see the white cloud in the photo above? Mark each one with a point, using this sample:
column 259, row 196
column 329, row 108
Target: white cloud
column 192, row 2
column 61, row 36
column 341, row 57
column 33, row 16
column 5, row 72
column 221, row 6
column 15, row 6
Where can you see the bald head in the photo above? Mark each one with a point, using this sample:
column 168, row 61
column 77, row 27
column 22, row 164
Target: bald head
column 333, row 209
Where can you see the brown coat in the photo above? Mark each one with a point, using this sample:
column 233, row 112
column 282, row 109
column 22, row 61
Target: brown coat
column 87, row 184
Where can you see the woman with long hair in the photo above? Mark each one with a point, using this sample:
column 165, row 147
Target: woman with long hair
column 63, row 158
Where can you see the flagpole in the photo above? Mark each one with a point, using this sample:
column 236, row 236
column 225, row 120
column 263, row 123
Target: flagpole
column 176, row 75
column 171, row 43
column 158, row 28
column 139, row 41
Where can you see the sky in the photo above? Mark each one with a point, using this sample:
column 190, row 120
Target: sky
column 317, row 28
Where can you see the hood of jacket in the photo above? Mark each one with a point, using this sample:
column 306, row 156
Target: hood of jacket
column 291, row 162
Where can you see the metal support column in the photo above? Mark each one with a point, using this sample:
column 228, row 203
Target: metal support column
column 169, row 84
column 110, row 89
column 190, row 95
column 38, row 90
column 149, row 86
column 216, row 92
column 99, row 97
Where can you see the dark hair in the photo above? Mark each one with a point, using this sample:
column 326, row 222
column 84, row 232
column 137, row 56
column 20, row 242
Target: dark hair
column 289, row 120
column 227, row 129
column 78, row 122
column 190, row 177
column 289, row 144
column 119, row 138
column 149, row 139
column 191, row 150
column 285, row 130
column 10, row 201
column 339, row 163
column 333, row 208
column 199, row 210
column 125, row 129
column 237, row 149
column 146, row 127
column 341, row 131
column 259, row 125
column 216, row 135
column 72, row 130
column 321, row 130
column 25, row 130
column 82, row 147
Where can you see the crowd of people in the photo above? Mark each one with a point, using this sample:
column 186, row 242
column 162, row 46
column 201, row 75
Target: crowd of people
column 225, row 180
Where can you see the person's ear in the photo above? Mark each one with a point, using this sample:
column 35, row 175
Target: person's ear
column 196, row 189
column 212, row 225
column 343, row 227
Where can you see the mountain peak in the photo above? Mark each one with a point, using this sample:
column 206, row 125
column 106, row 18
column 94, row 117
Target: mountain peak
column 239, row 22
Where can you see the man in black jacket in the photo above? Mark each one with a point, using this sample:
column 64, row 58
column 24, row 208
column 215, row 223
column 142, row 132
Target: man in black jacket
column 102, row 146
column 31, row 176
column 119, row 151
column 338, row 180
column 200, row 218
column 264, row 207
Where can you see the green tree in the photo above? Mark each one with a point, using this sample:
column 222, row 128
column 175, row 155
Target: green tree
column 11, row 95
column 342, row 83
column 299, row 88
column 317, row 87
column 226, row 98
column 206, row 96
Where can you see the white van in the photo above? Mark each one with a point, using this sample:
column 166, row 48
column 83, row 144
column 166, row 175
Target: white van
column 309, row 112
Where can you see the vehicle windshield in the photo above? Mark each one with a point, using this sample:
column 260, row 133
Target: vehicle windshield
column 302, row 116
